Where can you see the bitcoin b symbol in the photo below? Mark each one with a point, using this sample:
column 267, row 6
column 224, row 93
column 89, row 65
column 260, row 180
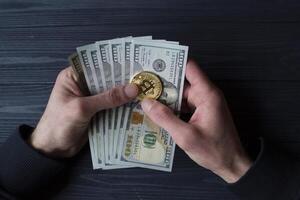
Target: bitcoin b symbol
column 149, row 84
column 147, row 87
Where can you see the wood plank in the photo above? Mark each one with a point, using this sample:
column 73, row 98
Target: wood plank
column 215, row 9
column 230, row 40
column 225, row 51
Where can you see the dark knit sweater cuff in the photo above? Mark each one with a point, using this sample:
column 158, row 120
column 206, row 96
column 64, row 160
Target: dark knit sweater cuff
column 273, row 176
column 24, row 170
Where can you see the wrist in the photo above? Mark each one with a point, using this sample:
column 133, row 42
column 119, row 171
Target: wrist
column 56, row 142
column 43, row 139
column 235, row 169
column 39, row 141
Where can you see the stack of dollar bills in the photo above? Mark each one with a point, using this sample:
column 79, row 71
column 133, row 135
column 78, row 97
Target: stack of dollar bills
column 124, row 137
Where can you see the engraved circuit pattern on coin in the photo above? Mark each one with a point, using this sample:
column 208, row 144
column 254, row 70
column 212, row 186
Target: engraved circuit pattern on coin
column 159, row 65
column 149, row 84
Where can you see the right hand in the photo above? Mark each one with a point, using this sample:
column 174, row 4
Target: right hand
column 210, row 137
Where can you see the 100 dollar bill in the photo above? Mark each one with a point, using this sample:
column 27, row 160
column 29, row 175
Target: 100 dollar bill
column 77, row 69
column 82, row 69
column 146, row 144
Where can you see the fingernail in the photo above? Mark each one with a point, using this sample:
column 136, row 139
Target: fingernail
column 147, row 104
column 131, row 90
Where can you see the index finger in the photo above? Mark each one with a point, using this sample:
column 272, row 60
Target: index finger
column 195, row 76
column 200, row 85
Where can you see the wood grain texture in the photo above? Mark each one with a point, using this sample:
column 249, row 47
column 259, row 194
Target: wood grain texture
column 251, row 49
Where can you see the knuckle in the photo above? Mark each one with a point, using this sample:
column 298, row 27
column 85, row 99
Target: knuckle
column 62, row 75
column 65, row 73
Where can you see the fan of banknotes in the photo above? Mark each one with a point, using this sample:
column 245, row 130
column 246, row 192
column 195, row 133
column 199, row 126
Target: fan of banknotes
column 125, row 137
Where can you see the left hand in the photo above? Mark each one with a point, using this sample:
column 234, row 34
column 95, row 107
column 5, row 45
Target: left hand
column 61, row 132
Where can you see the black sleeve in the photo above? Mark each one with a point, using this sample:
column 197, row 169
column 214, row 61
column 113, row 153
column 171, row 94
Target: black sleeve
column 23, row 170
column 273, row 176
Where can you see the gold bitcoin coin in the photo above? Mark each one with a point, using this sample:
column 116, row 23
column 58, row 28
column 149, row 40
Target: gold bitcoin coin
column 149, row 84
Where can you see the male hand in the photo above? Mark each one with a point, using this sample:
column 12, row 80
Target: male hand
column 61, row 131
column 210, row 137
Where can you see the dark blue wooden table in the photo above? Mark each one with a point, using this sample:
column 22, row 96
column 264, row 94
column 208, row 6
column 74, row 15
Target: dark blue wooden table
column 250, row 48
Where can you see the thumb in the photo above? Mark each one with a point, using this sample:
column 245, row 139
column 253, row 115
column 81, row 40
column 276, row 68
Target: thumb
column 165, row 118
column 111, row 98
